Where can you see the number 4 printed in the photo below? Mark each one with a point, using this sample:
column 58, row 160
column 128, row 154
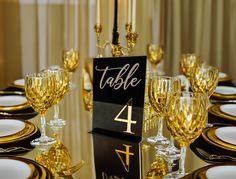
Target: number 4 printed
column 129, row 116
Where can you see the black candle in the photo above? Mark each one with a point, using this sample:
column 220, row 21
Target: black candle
column 115, row 27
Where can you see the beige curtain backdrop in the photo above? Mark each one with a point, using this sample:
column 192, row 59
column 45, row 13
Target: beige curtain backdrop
column 33, row 33
column 205, row 27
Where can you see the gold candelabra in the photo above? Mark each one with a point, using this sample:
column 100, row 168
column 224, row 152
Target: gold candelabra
column 116, row 48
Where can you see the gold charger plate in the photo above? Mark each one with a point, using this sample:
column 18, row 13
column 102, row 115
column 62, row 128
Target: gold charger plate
column 215, row 110
column 226, row 77
column 19, row 83
column 224, row 96
column 29, row 130
column 37, row 171
column 209, row 135
column 201, row 172
column 16, row 106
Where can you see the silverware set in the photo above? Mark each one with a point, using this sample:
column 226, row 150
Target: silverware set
column 13, row 149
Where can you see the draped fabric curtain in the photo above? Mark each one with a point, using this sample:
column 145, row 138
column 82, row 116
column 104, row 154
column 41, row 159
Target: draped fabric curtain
column 10, row 53
column 205, row 27
column 34, row 33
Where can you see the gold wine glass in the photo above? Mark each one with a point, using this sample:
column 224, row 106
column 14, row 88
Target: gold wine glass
column 187, row 63
column 161, row 91
column 61, row 88
column 70, row 59
column 186, row 120
column 155, row 54
column 39, row 90
column 204, row 79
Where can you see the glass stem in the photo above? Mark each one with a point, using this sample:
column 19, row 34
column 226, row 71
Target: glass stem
column 170, row 164
column 43, row 126
column 56, row 111
column 172, row 141
column 160, row 126
column 182, row 160
column 187, row 85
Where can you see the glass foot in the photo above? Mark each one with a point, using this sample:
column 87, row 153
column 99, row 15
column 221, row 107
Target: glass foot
column 158, row 140
column 43, row 141
column 170, row 153
column 59, row 123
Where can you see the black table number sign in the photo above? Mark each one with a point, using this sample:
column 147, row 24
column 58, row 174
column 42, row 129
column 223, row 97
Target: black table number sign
column 118, row 94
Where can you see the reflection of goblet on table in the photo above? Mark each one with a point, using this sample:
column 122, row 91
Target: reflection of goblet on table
column 61, row 87
column 187, row 117
column 187, row 63
column 58, row 160
column 70, row 60
column 59, row 157
column 158, row 169
column 161, row 91
column 39, row 89
column 155, row 54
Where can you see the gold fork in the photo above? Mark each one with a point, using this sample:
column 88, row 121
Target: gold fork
column 214, row 156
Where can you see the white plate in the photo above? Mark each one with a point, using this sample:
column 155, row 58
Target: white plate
column 227, row 134
column 14, row 169
column 219, row 172
column 222, row 75
column 225, row 90
column 9, row 127
column 229, row 109
column 19, row 82
column 12, row 100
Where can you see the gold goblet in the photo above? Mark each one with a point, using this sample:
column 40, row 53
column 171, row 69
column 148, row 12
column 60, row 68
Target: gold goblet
column 161, row 91
column 186, row 120
column 155, row 54
column 187, row 63
column 204, row 79
column 61, row 88
column 70, row 60
column 39, row 90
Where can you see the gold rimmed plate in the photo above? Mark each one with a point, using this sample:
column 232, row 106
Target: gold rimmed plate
column 225, row 92
column 224, row 77
column 12, row 130
column 19, row 83
column 13, row 102
column 220, row 137
column 214, row 172
column 223, row 111
column 22, row 168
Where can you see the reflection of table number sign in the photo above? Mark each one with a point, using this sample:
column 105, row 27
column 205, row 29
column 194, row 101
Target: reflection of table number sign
column 118, row 94
column 116, row 158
